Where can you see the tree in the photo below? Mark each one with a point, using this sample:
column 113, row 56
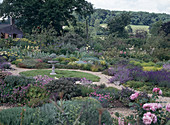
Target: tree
column 33, row 13
column 155, row 28
column 165, row 27
column 85, row 9
column 117, row 25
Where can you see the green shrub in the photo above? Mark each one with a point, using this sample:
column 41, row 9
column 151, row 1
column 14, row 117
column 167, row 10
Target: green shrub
column 29, row 63
column 67, row 87
column 12, row 90
column 45, row 115
column 73, row 59
column 36, row 96
column 85, row 90
column 135, row 84
column 13, row 81
column 90, row 114
column 48, row 114
column 12, row 116
column 41, row 65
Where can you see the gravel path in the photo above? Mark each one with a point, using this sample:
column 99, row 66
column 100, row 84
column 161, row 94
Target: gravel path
column 103, row 79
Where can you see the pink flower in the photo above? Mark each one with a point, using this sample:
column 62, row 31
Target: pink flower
column 120, row 121
column 159, row 106
column 147, row 120
column 147, row 106
column 134, row 96
column 157, row 90
column 168, row 107
column 124, row 52
column 154, row 118
column 152, row 106
column 121, row 52
column 160, row 92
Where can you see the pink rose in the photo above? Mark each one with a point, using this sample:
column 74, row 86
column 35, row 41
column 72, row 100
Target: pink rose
column 134, row 96
column 121, row 52
column 148, row 114
column 152, row 106
column 168, row 107
column 124, row 52
column 157, row 90
column 160, row 92
column 147, row 120
column 159, row 106
column 154, row 118
column 147, row 106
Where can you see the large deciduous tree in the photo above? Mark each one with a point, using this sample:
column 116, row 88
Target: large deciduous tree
column 34, row 13
column 117, row 25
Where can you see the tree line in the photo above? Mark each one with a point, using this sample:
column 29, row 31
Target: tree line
column 137, row 18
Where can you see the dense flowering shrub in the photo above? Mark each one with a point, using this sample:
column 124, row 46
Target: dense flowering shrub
column 121, row 73
column 124, row 73
column 5, row 65
column 22, row 93
column 152, row 106
column 102, row 98
column 166, row 67
column 151, row 112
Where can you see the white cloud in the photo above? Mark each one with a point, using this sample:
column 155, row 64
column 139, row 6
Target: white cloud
column 157, row 6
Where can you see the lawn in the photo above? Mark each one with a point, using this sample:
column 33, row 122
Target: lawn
column 139, row 27
column 61, row 73
column 134, row 27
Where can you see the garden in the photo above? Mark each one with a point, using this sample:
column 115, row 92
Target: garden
column 70, row 97
column 101, row 65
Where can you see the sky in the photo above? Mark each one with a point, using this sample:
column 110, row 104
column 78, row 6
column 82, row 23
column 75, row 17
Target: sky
column 156, row 6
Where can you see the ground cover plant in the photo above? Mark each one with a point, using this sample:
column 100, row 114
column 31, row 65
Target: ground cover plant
column 61, row 73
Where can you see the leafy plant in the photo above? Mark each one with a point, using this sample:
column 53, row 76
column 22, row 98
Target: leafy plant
column 62, row 85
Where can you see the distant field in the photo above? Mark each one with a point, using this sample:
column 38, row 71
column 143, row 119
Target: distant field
column 134, row 27
column 140, row 27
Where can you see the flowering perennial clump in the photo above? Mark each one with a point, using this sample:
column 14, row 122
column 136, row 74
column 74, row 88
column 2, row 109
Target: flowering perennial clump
column 157, row 90
column 148, row 118
column 150, row 113
column 134, row 96
column 152, row 106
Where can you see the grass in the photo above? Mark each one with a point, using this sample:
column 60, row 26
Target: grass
column 61, row 73
column 134, row 27
column 139, row 27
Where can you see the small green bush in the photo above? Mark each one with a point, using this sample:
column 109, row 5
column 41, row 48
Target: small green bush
column 36, row 96
column 135, row 84
column 29, row 63
column 85, row 90
column 90, row 114
column 62, row 85
column 13, row 81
